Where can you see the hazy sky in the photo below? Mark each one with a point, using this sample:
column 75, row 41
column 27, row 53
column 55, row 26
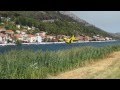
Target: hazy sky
column 106, row 20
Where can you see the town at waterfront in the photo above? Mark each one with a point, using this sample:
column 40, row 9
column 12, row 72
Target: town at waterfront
column 8, row 37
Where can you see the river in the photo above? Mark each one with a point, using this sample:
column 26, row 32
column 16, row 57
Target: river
column 56, row 46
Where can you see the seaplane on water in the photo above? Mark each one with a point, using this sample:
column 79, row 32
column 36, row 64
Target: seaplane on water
column 70, row 40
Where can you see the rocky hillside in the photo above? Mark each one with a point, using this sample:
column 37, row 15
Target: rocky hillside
column 117, row 35
column 74, row 17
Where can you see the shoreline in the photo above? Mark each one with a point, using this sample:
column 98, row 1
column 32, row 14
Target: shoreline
column 52, row 43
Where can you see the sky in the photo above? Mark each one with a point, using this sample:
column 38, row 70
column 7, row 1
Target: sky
column 107, row 20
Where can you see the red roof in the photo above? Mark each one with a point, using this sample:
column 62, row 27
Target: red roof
column 2, row 29
column 9, row 31
column 2, row 35
column 17, row 35
column 30, row 35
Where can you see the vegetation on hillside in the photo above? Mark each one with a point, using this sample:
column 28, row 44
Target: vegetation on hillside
column 62, row 24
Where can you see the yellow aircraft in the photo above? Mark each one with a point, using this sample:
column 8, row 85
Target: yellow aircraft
column 70, row 40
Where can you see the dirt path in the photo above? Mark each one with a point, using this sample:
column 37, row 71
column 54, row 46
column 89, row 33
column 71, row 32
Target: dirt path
column 98, row 69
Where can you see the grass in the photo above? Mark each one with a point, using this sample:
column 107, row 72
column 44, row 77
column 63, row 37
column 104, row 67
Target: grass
column 27, row 64
column 111, row 72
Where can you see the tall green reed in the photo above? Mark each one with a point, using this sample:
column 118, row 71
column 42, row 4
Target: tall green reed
column 27, row 64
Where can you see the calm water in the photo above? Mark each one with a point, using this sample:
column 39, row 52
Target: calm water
column 55, row 47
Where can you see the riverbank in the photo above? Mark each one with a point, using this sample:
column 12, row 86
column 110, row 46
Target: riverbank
column 107, row 68
column 52, row 43
column 32, row 43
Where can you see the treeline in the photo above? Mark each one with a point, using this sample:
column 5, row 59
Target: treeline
column 39, row 15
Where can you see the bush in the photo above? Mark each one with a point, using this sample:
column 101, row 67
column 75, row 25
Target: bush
column 18, row 42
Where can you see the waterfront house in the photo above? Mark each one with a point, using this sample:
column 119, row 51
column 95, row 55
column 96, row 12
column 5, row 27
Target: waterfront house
column 42, row 34
column 61, row 36
column 110, row 39
column 9, row 32
column 31, row 38
column 81, row 38
column 3, row 38
column 38, row 39
column 9, row 38
column 18, row 37
column 55, row 40
column 18, row 31
column 86, row 38
column 101, row 38
column 107, row 38
column 0, row 39
column 90, row 38
column 23, row 33
column 95, row 38
column 48, row 38
column 9, row 35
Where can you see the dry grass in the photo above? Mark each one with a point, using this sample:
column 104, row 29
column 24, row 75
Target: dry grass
column 105, row 68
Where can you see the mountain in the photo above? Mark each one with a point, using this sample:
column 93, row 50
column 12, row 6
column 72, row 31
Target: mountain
column 73, row 16
column 117, row 35
column 55, row 22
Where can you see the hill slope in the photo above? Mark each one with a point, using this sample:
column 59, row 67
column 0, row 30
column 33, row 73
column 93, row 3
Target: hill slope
column 64, row 22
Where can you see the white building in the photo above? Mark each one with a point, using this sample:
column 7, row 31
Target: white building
column 29, row 28
column 0, row 39
column 38, row 39
column 18, row 31
column 22, row 32
column 31, row 38
column 106, row 38
column 18, row 26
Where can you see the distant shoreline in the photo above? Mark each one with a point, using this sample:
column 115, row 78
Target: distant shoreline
column 52, row 43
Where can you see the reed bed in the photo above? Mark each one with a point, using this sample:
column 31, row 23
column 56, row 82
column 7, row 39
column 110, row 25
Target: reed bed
column 27, row 64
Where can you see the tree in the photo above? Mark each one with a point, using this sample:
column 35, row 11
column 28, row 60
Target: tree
column 18, row 42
